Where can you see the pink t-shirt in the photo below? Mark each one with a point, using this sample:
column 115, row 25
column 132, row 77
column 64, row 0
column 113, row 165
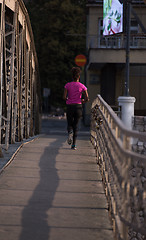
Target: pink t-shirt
column 74, row 90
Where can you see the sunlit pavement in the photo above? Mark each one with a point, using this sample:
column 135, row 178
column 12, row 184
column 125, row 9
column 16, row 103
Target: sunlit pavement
column 51, row 192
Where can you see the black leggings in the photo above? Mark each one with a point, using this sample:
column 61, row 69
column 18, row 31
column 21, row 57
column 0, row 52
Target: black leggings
column 74, row 113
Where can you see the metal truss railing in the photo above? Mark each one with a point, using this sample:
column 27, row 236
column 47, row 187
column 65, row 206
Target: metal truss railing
column 19, row 76
column 123, row 171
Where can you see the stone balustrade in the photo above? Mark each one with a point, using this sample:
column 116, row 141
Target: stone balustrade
column 139, row 124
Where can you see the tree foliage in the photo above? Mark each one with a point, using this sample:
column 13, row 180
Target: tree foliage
column 59, row 28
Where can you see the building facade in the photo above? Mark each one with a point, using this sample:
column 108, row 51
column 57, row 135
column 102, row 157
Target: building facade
column 105, row 70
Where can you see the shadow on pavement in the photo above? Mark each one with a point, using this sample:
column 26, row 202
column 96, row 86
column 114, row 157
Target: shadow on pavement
column 34, row 216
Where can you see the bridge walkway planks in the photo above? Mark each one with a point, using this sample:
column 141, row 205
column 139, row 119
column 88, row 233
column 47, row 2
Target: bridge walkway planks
column 50, row 192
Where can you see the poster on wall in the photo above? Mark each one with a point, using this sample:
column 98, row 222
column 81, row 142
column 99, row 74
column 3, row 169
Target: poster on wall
column 112, row 17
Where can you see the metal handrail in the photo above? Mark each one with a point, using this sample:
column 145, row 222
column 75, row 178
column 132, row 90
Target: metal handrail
column 118, row 164
column 130, row 133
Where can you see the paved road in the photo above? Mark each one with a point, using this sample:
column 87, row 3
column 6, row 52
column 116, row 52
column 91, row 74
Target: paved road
column 50, row 192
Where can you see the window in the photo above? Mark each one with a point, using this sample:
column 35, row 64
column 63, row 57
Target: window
column 134, row 30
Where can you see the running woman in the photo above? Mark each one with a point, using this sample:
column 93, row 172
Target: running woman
column 73, row 92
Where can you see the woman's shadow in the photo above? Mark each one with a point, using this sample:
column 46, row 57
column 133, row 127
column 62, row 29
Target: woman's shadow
column 35, row 215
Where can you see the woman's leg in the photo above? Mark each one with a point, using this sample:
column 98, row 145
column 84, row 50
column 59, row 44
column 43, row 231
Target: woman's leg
column 69, row 119
column 70, row 124
column 77, row 116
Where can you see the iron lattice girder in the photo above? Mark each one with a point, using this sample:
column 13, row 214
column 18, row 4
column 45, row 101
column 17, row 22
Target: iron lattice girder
column 19, row 76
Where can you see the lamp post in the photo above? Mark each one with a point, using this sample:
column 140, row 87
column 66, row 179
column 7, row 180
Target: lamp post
column 128, row 14
column 127, row 102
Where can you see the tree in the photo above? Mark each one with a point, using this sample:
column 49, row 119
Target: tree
column 81, row 3
column 59, row 29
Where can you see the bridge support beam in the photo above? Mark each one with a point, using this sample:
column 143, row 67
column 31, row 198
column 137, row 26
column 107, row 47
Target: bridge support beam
column 127, row 110
column 20, row 114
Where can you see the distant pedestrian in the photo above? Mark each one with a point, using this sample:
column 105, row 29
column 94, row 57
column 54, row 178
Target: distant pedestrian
column 73, row 92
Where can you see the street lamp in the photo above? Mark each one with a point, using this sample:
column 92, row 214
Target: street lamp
column 128, row 14
column 127, row 102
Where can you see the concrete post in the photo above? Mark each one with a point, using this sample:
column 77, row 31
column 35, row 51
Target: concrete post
column 127, row 110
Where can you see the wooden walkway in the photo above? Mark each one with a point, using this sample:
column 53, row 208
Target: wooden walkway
column 50, row 192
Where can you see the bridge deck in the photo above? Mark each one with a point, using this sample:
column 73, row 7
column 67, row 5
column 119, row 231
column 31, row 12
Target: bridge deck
column 50, row 192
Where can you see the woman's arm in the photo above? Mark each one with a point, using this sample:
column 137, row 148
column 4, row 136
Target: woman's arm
column 65, row 94
column 86, row 99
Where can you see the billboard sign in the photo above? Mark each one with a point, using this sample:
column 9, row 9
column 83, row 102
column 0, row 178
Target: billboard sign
column 112, row 17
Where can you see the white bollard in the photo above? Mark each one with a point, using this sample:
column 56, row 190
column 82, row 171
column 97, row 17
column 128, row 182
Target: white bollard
column 127, row 110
